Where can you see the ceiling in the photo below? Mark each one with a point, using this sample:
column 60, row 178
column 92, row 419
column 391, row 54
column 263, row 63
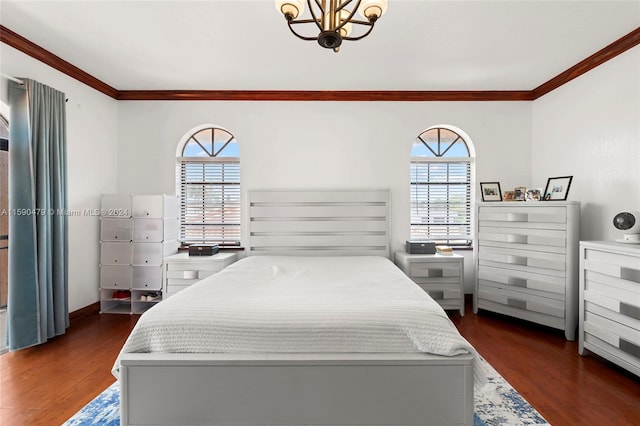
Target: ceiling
column 246, row 45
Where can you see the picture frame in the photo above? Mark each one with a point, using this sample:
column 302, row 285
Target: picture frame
column 490, row 191
column 557, row 188
column 520, row 193
column 534, row 194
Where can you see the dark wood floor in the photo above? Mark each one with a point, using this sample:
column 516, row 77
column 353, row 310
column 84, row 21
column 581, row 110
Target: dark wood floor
column 46, row 385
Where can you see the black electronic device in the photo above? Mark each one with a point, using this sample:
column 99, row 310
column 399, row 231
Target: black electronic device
column 420, row 247
column 629, row 224
column 203, row 249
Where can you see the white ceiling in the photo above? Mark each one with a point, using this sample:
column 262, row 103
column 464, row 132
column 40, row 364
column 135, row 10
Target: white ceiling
column 246, row 45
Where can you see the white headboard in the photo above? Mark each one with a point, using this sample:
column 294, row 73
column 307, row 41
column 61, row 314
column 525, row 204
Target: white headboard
column 319, row 222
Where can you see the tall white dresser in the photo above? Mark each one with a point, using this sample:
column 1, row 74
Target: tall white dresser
column 136, row 232
column 526, row 261
column 610, row 302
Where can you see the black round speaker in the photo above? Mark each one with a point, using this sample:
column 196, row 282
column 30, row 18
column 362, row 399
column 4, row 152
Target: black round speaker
column 625, row 221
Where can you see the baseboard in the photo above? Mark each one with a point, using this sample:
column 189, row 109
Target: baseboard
column 94, row 308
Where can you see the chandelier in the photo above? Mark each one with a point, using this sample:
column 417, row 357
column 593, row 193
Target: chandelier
column 334, row 19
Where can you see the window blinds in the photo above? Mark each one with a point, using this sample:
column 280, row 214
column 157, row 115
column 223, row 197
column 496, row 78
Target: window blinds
column 210, row 201
column 441, row 201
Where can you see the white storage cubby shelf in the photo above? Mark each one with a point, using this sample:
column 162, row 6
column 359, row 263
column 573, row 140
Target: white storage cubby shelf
column 610, row 302
column 526, row 261
column 136, row 233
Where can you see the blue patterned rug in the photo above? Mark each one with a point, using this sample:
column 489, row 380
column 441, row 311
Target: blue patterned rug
column 496, row 403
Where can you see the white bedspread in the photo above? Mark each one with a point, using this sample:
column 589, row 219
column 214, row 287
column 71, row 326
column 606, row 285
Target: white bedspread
column 299, row 304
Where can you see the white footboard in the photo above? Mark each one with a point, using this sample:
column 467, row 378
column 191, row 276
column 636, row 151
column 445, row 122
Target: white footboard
column 296, row 389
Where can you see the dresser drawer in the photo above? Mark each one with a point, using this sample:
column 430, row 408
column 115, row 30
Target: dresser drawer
column 434, row 269
column 147, row 277
column 617, row 266
column 613, row 337
column 522, row 300
column 112, row 229
column 115, row 277
column 550, row 286
column 115, row 253
column 553, row 241
column 523, row 215
column 524, row 260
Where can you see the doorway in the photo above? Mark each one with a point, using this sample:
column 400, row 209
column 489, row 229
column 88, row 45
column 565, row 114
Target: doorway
column 4, row 227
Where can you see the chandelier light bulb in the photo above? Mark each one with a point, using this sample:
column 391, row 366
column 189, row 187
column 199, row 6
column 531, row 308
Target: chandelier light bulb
column 372, row 9
column 291, row 9
column 346, row 30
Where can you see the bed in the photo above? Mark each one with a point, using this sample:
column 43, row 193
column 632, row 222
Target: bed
column 315, row 326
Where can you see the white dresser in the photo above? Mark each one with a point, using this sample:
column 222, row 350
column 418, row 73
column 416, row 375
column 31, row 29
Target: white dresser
column 181, row 270
column 442, row 277
column 610, row 302
column 136, row 233
column 526, row 261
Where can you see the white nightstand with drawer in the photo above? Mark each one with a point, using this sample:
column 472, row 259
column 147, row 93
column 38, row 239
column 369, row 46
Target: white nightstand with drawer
column 442, row 277
column 181, row 270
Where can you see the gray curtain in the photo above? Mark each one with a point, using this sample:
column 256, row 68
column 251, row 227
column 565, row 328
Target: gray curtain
column 37, row 308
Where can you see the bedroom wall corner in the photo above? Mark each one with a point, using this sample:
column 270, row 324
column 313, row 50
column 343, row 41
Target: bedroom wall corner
column 92, row 125
column 590, row 128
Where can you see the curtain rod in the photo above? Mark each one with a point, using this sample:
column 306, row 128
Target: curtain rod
column 13, row 79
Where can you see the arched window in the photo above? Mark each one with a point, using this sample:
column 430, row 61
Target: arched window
column 208, row 185
column 441, row 186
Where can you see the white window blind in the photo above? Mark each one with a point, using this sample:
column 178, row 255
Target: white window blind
column 210, row 200
column 441, row 200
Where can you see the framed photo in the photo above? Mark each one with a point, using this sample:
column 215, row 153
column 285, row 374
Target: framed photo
column 534, row 194
column 490, row 191
column 520, row 193
column 557, row 188
column 509, row 195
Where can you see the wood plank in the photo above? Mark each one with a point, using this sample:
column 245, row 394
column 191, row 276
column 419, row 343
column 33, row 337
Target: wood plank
column 46, row 385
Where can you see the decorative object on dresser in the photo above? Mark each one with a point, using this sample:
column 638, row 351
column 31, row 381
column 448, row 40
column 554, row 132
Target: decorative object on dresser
column 441, row 276
column 526, row 262
column 610, row 302
column 557, row 188
column 136, row 232
column 182, row 270
column 203, row 249
column 420, row 247
column 490, row 191
column 629, row 223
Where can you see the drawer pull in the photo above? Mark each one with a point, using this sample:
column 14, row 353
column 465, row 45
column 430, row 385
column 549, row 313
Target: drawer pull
column 518, row 217
column 515, row 238
column 630, row 310
column 517, row 260
column 630, row 274
column 517, row 282
column 630, row 348
column 435, row 273
column 517, row 303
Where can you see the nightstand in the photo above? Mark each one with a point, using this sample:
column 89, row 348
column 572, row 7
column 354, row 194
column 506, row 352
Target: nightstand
column 441, row 276
column 181, row 270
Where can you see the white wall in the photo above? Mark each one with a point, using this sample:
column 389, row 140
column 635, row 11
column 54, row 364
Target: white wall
column 323, row 144
column 590, row 128
column 91, row 155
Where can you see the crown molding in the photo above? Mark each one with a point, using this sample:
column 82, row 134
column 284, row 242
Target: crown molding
column 29, row 48
column 311, row 95
column 600, row 57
